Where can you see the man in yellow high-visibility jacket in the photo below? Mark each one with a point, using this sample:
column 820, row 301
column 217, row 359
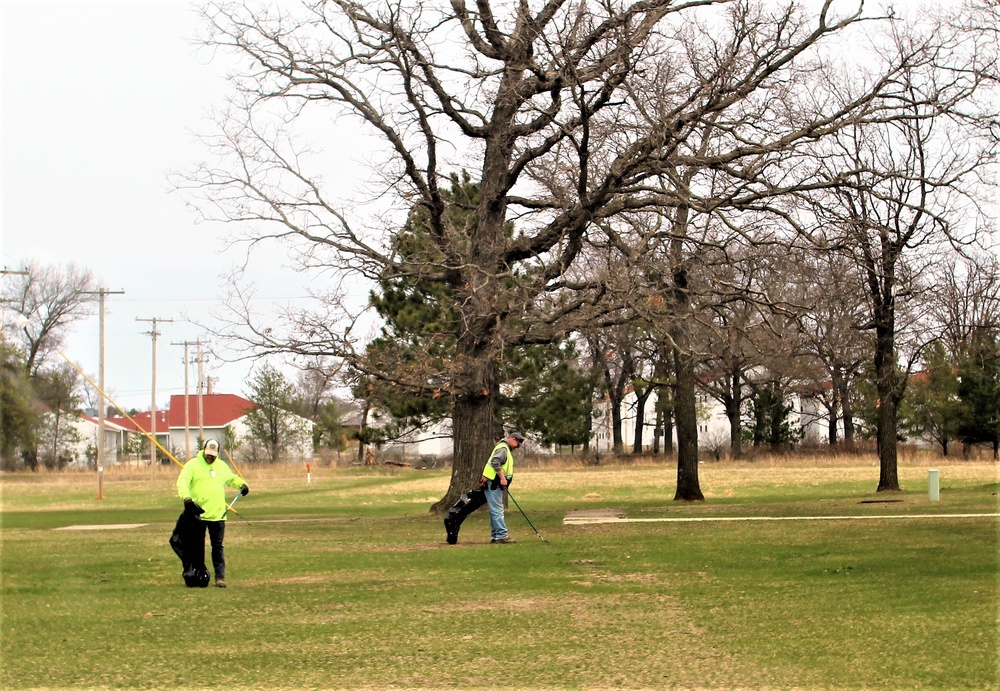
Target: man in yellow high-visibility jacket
column 497, row 474
column 202, row 486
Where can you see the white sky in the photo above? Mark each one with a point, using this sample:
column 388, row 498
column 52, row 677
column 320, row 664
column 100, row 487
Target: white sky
column 98, row 104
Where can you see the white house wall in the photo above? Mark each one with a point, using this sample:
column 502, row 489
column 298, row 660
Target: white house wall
column 712, row 424
column 87, row 432
column 432, row 441
column 814, row 422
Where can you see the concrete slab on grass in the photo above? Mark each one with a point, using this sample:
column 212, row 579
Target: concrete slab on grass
column 572, row 519
column 107, row 526
column 585, row 516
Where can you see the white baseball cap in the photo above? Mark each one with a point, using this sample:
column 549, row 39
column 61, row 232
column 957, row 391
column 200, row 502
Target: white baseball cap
column 211, row 448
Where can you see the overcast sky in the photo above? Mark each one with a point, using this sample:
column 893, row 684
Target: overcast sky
column 99, row 103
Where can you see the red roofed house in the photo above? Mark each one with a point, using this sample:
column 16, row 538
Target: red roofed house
column 144, row 421
column 208, row 420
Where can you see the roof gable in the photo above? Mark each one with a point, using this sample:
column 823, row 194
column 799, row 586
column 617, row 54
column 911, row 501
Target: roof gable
column 143, row 422
column 218, row 409
column 108, row 424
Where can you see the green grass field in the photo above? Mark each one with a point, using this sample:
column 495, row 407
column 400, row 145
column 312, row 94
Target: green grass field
column 347, row 583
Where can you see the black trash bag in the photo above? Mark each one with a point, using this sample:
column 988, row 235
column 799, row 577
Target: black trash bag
column 188, row 542
column 466, row 504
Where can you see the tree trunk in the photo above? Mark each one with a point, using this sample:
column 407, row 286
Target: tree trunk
column 834, row 406
column 614, row 392
column 888, row 479
column 759, row 417
column 617, row 443
column 668, row 434
column 363, row 432
column 685, row 402
column 847, row 412
column 688, row 488
column 55, row 439
column 732, row 402
column 657, row 431
column 664, row 427
column 474, row 431
column 640, row 414
column 735, row 424
column 888, row 395
column 735, row 429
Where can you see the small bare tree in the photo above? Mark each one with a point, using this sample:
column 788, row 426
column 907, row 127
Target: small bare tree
column 51, row 299
column 905, row 187
column 57, row 387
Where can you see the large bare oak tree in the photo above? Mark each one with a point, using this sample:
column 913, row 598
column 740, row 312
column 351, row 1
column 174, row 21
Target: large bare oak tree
column 567, row 115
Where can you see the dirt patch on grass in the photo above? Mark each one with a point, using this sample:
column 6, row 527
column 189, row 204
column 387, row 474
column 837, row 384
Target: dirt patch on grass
column 301, row 580
column 505, row 604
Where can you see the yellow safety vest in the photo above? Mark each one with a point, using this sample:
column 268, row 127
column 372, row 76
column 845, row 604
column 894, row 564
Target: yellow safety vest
column 508, row 466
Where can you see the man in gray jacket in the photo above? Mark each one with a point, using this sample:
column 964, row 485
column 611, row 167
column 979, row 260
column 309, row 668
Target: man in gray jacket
column 497, row 474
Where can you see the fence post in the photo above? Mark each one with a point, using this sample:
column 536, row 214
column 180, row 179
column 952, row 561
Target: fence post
column 933, row 485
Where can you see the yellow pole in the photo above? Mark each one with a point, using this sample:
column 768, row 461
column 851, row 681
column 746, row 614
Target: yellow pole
column 233, row 463
column 138, row 426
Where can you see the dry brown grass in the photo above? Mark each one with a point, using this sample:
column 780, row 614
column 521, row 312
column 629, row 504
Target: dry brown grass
column 588, row 484
column 774, row 471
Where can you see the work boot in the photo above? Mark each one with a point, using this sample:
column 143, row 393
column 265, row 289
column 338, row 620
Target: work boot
column 452, row 531
column 503, row 541
column 220, row 582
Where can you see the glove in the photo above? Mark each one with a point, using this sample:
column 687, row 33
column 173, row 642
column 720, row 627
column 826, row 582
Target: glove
column 192, row 508
column 244, row 490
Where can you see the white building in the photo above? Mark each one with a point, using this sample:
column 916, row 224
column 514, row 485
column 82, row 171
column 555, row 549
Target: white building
column 432, row 441
column 87, row 428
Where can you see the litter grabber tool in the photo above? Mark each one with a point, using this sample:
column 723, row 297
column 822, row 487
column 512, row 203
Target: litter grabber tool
column 238, row 495
column 526, row 516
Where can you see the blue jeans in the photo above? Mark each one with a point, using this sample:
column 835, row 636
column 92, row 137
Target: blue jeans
column 494, row 499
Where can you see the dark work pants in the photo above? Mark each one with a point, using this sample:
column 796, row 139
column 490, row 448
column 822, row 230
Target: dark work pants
column 216, row 534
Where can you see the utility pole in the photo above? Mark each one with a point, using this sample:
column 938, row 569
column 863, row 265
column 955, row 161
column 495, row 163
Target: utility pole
column 187, row 407
column 101, row 408
column 201, row 388
column 152, row 406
